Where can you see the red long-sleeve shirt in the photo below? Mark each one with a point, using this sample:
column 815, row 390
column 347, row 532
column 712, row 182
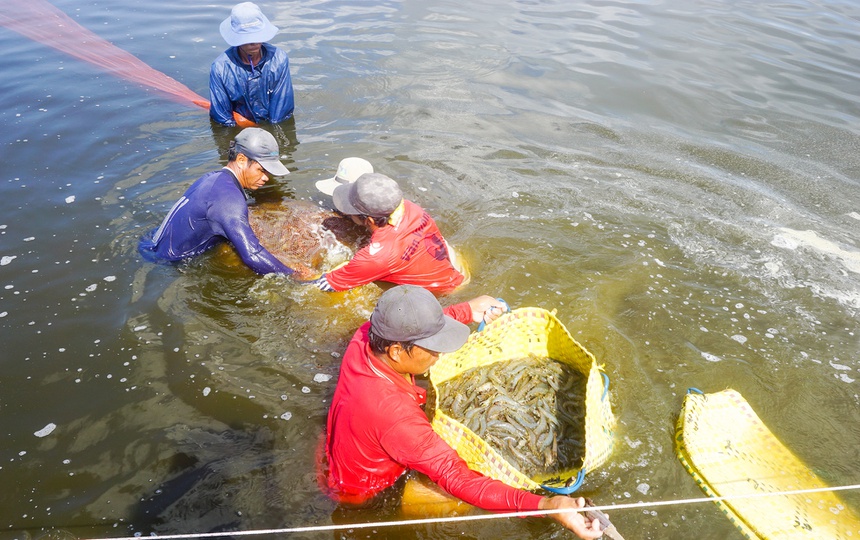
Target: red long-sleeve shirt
column 412, row 252
column 376, row 430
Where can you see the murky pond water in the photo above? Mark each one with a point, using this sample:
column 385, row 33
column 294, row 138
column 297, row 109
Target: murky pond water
column 679, row 180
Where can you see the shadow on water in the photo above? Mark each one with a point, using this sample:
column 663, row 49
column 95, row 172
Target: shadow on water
column 200, row 489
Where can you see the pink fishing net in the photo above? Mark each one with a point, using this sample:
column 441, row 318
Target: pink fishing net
column 44, row 23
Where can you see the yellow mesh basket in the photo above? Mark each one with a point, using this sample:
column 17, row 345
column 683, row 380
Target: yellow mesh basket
column 519, row 334
column 732, row 454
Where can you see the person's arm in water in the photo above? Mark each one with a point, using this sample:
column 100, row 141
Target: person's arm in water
column 362, row 269
column 412, row 442
column 233, row 219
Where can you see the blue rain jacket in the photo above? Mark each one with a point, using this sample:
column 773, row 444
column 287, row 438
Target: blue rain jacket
column 212, row 210
column 263, row 92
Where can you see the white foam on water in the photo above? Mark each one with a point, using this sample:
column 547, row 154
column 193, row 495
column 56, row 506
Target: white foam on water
column 287, row 415
column 70, row 199
column 773, row 268
column 855, row 215
column 109, row 278
column 739, row 338
column 839, row 366
column 45, row 431
column 206, row 391
column 850, row 259
column 711, row 357
column 321, row 378
column 785, row 242
column 6, row 259
column 833, row 280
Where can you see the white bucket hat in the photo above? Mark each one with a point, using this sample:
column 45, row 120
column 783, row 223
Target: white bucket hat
column 247, row 24
column 347, row 172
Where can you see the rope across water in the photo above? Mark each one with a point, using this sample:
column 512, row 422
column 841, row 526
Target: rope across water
column 482, row 517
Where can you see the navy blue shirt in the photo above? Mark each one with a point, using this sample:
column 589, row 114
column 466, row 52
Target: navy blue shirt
column 212, row 210
column 260, row 92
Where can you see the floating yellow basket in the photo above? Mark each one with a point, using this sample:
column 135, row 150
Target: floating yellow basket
column 519, row 334
column 732, row 454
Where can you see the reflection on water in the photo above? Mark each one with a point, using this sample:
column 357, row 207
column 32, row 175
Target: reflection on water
column 678, row 180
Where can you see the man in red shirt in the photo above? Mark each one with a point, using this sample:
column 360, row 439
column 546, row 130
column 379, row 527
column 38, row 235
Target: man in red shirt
column 405, row 246
column 376, row 428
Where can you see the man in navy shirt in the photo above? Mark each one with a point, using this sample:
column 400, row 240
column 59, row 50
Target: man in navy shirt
column 215, row 208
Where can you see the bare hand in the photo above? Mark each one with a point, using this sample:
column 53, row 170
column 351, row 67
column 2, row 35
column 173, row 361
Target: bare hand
column 575, row 521
column 486, row 308
column 304, row 273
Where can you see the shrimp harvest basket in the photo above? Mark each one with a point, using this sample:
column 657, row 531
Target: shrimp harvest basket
column 524, row 403
column 759, row 483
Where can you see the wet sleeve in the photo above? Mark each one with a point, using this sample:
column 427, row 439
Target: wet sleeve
column 461, row 312
column 412, row 442
column 233, row 219
column 360, row 270
column 282, row 101
column 220, row 106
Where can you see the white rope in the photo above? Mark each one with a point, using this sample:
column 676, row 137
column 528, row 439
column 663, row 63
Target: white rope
column 455, row 519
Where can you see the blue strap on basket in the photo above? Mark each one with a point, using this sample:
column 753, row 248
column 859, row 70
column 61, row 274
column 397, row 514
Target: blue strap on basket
column 567, row 490
column 507, row 309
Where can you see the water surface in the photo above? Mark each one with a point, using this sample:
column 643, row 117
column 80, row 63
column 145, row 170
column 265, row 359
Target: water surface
column 679, row 180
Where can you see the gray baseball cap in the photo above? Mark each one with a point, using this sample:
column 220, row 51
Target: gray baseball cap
column 373, row 194
column 412, row 313
column 261, row 146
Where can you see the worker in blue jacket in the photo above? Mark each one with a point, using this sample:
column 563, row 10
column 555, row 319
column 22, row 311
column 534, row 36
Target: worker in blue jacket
column 252, row 77
column 215, row 208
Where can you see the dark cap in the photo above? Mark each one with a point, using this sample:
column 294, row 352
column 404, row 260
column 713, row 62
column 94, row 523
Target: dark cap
column 411, row 313
column 261, row 146
column 373, row 194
